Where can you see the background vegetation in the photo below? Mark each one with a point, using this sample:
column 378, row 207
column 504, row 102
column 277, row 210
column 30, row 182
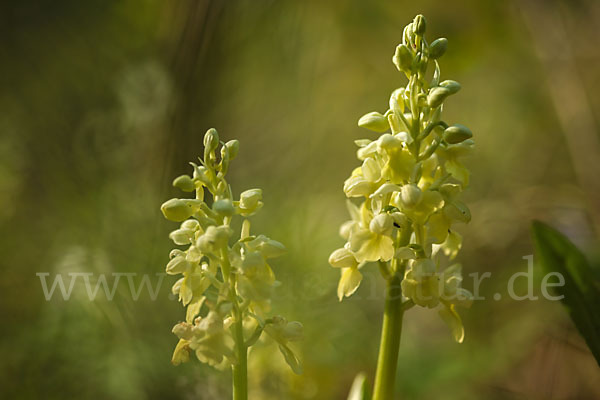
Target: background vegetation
column 103, row 102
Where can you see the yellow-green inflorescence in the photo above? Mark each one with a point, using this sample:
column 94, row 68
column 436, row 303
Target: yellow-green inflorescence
column 226, row 282
column 409, row 187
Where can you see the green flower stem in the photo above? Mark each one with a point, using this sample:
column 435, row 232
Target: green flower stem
column 390, row 340
column 419, row 234
column 240, row 368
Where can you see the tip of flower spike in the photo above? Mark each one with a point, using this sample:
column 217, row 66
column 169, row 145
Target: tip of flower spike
column 211, row 139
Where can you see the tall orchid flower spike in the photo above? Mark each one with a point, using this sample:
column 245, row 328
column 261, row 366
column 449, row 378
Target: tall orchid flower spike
column 408, row 190
column 226, row 282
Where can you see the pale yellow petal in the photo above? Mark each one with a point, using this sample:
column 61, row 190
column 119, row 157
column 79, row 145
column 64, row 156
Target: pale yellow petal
column 438, row 227
column 368, row 246
column 194, row 309
column 349, row 282
column 181, row 353
column 452, row 319
column 458, row 171
column 452, row 245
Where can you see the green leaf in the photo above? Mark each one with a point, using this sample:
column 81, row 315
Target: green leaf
column 359, row 389
column 291, row 359
column 581, row 290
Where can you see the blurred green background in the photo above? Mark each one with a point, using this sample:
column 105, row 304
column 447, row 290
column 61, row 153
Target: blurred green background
column 103, row 102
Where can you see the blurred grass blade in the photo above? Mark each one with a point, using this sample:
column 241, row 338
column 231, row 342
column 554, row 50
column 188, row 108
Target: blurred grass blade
column 581, row 291
column 359, row 389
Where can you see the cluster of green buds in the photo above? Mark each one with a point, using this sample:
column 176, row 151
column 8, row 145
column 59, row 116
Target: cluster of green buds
column 226, row 282
column 409, row 186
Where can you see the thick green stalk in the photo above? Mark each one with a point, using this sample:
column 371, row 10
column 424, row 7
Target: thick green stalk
column 390, row 340
column 240, row 368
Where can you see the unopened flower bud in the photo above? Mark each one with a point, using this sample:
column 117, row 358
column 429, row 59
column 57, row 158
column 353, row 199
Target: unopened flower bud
column 374, row 121
column 457, row 133
column 451, row 85
column 402, row 58
column 176, row 253
column 420, row 25
column 185, row 183
column 224, row 164
column 389, row 142
column 438, row 48
column 410, row 195
column 381, row 224
column 177, row 265
column 233, row 146
column 400, row 219
column 211, row 140
column 357, row 186
column 224, row 207
column 176, row 210
column 437, row 95
column 250, row 200
column 293, row 331
column 182, row 236
column 342, row 258
column 190, row 224
column 272, row 248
